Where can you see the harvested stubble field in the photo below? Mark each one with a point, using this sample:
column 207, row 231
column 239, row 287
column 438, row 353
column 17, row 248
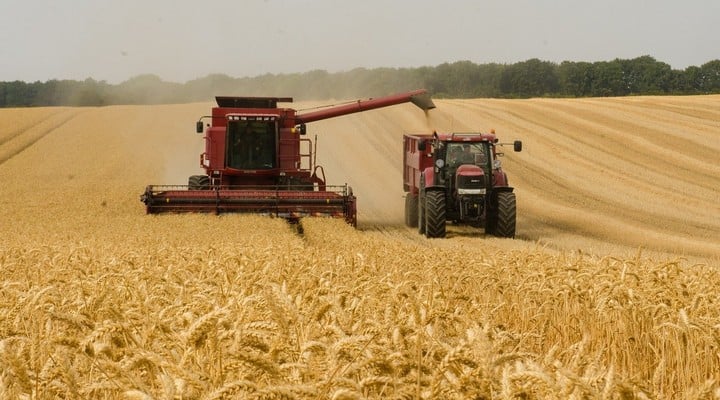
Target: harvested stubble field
column 609, row 291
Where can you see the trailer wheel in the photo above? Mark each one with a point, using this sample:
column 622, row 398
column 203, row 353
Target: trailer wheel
column 421, row 207
column 198, row 182
column 435, row 214
column 506, row 213
column 411, row 210
column 491, row 216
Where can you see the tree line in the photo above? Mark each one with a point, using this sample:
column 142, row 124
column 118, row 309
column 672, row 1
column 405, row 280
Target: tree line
column 463, row 79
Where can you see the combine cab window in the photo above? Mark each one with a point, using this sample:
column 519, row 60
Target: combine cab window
column 251, row 144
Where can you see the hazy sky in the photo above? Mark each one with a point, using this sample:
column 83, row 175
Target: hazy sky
column 183, row 40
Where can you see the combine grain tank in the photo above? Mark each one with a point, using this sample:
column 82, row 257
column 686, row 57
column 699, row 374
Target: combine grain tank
column 257, row 159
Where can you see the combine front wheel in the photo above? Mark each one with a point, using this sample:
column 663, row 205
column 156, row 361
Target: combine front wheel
column 198, row 182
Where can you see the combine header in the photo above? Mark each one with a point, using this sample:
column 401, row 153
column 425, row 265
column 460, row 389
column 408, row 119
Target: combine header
column 258, row 160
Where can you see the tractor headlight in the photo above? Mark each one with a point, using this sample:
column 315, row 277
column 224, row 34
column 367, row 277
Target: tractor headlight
column 471, row 191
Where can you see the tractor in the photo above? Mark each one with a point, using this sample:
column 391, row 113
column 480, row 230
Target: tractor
column 457, row 177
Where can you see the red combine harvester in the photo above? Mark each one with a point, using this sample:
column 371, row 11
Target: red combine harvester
column 257, row 160
column 457, row 177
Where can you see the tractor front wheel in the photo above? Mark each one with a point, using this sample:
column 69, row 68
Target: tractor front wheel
column 435, row 214
column 506, row 214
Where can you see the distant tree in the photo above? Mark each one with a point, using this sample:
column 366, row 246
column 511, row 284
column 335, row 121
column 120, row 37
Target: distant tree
column 608, row 79
column 464, row 79
column 685, row 82
column 198, row 89
column 460, row 79
column 710, row 77
column 436, row 81
column 530, row 78
column 576, row 78
column 19, row 94
column 645, row 75
column 88, row 93
column 145, row 89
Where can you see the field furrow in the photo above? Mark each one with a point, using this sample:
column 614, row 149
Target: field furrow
column 15, row 141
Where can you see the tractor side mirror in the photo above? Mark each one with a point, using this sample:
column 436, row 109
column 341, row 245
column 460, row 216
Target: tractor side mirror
column 517, row 146
column 422, row 145
column 199, row 127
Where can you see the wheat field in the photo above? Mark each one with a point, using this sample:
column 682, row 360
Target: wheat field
column 609, row 290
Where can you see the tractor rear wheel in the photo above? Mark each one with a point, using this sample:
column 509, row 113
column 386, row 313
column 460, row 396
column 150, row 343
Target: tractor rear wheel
column 506, row 214
column 198, row 182
column 435, row 214
column 411, row 210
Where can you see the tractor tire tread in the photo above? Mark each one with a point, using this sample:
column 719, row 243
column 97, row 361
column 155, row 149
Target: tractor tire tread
column 435, row 216
column 198, row 182
column 506, row 215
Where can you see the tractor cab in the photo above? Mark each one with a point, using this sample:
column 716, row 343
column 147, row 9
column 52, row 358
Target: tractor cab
column 465, row 168
column 459, row 153
column 463, row 157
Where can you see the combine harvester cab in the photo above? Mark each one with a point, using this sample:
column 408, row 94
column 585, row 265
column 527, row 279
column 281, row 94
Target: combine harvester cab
column 257, row 159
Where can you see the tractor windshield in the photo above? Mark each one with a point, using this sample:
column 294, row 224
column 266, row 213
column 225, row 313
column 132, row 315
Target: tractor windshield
column 459, row 153
column 251, row 144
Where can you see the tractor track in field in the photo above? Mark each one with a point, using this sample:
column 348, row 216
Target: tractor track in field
column 26, row 138
column 25, row 126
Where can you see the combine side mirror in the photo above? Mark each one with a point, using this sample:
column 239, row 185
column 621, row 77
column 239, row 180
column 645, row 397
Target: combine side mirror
column 199, row 127
column 301, row 129
column 517, row 146
column 422, row 145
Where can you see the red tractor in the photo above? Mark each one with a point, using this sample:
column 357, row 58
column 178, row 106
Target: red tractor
column 258, row 160
column 457, row 177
